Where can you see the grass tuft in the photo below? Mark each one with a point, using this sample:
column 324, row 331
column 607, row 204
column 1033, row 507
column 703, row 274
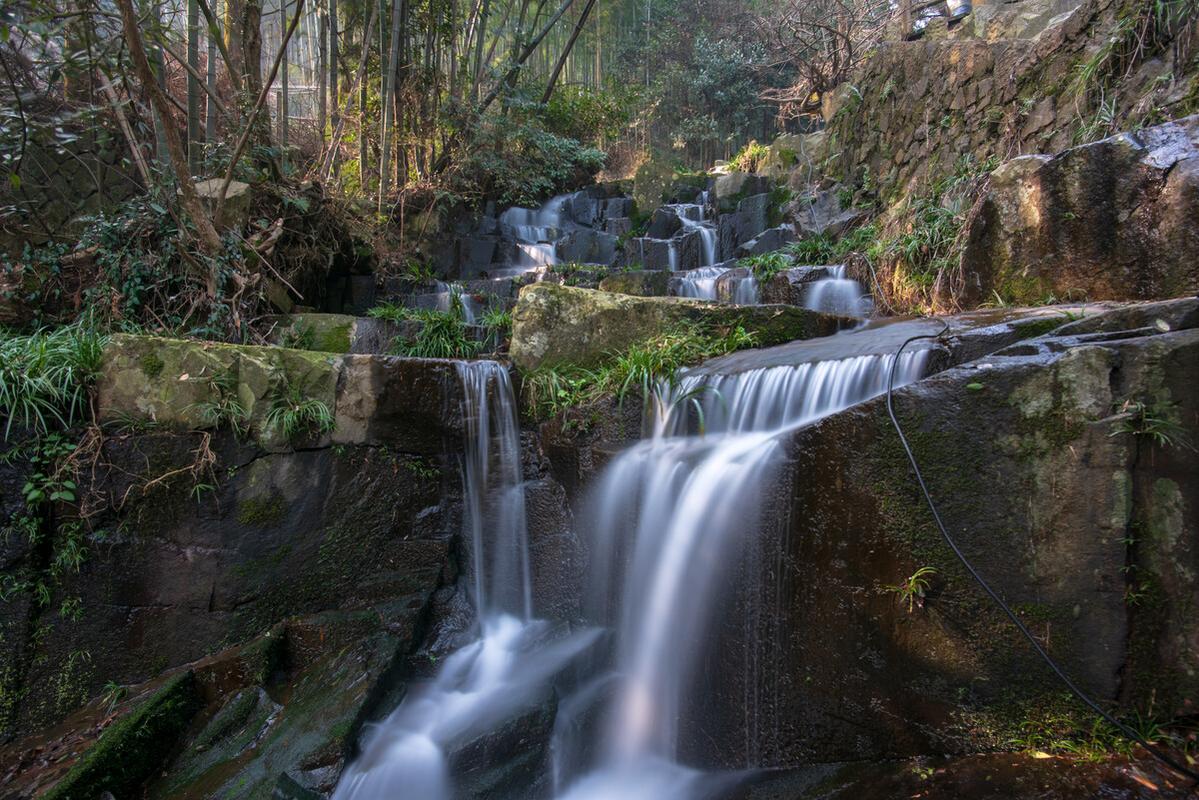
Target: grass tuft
column 45, row 376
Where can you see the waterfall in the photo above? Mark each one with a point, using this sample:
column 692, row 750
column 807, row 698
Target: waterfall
column 445, row 301
column 706, row 231
column 746, row 293
column 511, row 663
column 700, row 283
column 494, row 496
column 670, row 519
column 837, row 294
column 535, row 231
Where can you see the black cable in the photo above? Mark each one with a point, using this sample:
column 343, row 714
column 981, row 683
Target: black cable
column 1128, row 732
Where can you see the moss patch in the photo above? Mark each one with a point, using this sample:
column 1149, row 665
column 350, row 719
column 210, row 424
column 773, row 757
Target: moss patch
column 151, row 365
column 131, row 751
column 261, row 511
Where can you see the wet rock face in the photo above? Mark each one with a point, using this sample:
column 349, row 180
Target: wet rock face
column 1080, row 517
column 1109, row 220
column 185, row 571
column 567, row 325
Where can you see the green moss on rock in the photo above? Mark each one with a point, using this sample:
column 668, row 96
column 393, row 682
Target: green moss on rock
column 132, row 750
column 261, row 511
column 563, row 325
column 171, row 381
column 152, row 365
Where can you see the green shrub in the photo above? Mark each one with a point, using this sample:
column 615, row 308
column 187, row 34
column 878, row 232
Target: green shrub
column 588, row 115
column 442, row 334
column 223, row 406
column 751, row 158
column 292, row 413
column 767, row 265
column 520, row 163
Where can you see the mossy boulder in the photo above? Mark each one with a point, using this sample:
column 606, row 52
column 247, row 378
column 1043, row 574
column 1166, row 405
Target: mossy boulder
column 730, row 189
column 566, row 325
column 1112, row 220
column 651, row 184
column 1087, row 528
column 336, row 333
column 178, row 383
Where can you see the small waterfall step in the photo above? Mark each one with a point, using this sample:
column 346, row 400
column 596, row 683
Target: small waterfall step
column 970, row 336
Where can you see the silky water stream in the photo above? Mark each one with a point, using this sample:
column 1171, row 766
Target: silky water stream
column 667, row 519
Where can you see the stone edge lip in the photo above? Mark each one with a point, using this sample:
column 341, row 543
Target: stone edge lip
column 376, row 399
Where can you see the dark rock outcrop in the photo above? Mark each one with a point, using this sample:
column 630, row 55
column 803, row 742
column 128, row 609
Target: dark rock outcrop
column 1045, row 467
column 1113, row 220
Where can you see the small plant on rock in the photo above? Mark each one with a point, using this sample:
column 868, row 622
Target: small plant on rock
column 223, row 406
column 1154, row 422
column 914, row 588
column 293, row 414
column 44, row 377
column 766, row 266
column 300, row 336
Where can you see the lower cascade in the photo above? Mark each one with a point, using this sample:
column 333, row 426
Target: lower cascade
column 669, row 518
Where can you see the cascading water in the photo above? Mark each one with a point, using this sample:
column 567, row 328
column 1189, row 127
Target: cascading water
column 746, row 292
column 451, row 294
column 837, row 294
column 700, row 283
column 671, row 519
column 533, row 232
column 699, row 223
column 512, row 662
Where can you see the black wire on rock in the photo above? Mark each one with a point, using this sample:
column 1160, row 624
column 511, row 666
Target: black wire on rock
column 1065, row 679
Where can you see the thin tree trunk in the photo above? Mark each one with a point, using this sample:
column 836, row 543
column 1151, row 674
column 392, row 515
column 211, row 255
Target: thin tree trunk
column 235, row 19
column 210, row 82
column 194, row 75
column 367, row 38
column 251, row 46
column 209, row 241
column 570, row 43
column 388, row 101
column 193, row 86
column 139, row 158
column 334, row 96
column 252, row 119
column 529, row 49
column 215, row 36
column 284, row 110
column 322, row 111
column 330, row 166
column 160, row 123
